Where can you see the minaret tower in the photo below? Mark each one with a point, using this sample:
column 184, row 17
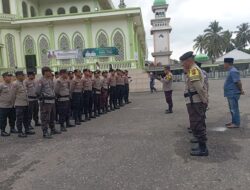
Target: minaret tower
column 160, row 31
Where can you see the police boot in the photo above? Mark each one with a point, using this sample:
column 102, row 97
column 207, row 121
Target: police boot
column 55, row 132
column 190, row 130
column 69, row 125
column 63, row 128
column 4, row 134
column 200, row 151
column 46, row 134
column 22, row 135
column 30, row 132
column 77, row 122
column 194, row 140
column 13, row 130
column 37, row 124
column 31, row 127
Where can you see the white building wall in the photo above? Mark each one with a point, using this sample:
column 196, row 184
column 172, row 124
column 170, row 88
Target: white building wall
column 161, row 44
column 109, row 27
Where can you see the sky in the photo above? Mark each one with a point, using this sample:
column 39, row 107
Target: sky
column 189, row 18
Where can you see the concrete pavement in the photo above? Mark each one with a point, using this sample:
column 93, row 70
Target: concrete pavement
column 135, row 148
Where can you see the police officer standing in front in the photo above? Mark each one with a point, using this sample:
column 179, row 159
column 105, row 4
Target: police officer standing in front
column 45, row 92
column 20, row 98
column 196, row 101
column 6, row 105
column 30, row 84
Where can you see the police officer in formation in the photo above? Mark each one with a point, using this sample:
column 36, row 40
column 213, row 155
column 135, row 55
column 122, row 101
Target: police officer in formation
column 82, row 94
column 30, row 84
column 20, row 97
column 7, row 110
column 196, row 96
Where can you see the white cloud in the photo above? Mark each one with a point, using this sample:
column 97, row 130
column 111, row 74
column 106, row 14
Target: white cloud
column 190, row 17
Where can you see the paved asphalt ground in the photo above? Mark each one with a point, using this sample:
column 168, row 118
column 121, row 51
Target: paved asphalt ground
column 135, row 148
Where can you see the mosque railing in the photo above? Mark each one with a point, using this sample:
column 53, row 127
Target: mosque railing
column 7, row 16
column 123, row 65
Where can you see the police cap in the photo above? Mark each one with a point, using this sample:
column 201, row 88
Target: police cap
column 229, row 60
column 7, row 74
column 62, row 71
column 18, row 73
column 31, row 73
column 187, row 55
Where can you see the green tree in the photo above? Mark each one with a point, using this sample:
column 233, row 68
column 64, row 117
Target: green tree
column 242, row 36
column 228, row 44
column 214, row 46
column 200, row 43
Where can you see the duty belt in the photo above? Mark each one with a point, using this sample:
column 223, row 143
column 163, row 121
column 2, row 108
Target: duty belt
column 48, row 98
column 190, row 94
column 32, row 97
column 66, row 96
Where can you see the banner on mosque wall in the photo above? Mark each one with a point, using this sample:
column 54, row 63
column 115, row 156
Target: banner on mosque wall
column 100, row 52
column 62, row 55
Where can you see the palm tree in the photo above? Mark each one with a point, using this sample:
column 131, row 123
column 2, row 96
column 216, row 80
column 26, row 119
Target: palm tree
column 243, row 35
column 200, row 43
column 214, row 40
column 228, row 44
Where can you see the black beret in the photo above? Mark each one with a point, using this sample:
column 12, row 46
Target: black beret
column 167, row 67
column 85, row 70
column 187, row 56
column 18, row 73
column 7, row 74
column 56, row 73
column 31, row 73
column 63, row 71
column 111, row 70
column 229, row 60
column 46, row 69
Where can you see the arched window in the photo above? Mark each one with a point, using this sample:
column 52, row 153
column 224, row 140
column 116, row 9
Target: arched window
column 78, row 43
column 10, row 47
column 73, row 10
column 118, row 42
column 32, row 11
column 25, row 9
column 29, row 46
column 61, row 11
column 48, row 12
column 6, row 6
column 86, row 8
column 102, row 41
column 44, row 47
column 64, row 45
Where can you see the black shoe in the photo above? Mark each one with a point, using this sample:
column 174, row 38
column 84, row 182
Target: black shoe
column 82, row 120
column 55, row 132
column 22, row 135
column 168, row 112
column 31, row 127
column 38, row 124
column 63, row 128
column 78, row 123
column 4, row 134
column 92, row 117
column 14, row 131
column 70, row 125
column 200, row 151
column 190, row 130
column 30, row 133
column 47, row 135
column 194, row 140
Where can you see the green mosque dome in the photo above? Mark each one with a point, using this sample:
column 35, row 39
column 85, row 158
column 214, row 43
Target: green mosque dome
column 160, row 2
